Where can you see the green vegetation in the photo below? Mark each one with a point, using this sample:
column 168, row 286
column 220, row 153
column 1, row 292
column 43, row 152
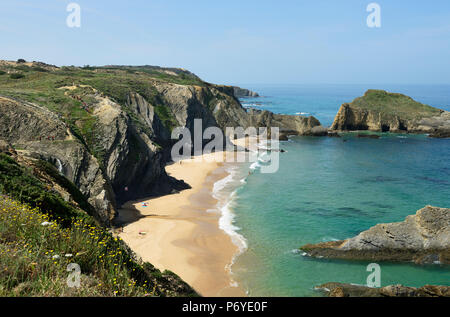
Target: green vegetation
column 395, row 104
column 41, row 234
column 35, row 253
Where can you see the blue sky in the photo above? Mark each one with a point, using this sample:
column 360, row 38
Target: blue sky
column 245, row 41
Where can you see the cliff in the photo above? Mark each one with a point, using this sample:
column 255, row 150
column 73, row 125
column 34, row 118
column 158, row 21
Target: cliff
column 350, row 290
column 423, row 238
column 381, row 111
column 107, row 129
column 46, row 223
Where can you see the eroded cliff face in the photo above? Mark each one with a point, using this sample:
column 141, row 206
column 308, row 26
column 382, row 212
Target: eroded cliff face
column 387, row 112
column 239, row 92
column 351, row 290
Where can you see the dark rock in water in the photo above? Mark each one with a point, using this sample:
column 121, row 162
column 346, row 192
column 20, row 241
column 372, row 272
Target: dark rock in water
column 423, row 238
column 282, row 151
column 382, row 111
column 333, row 134
column 368, row 136
column 350, row 290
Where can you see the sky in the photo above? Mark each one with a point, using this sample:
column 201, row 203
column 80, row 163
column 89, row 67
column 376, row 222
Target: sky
column 240, row 41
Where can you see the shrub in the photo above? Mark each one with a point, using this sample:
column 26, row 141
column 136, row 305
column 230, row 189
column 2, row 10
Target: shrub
column 21, row 60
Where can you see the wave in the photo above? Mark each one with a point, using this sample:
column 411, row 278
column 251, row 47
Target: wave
column 225, row 191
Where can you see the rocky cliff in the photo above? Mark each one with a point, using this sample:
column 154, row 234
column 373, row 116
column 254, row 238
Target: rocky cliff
column 350, row 290
column 423, row 238
column 108, row 129
column 239, row 92
column 381, row 111
column 39, row 133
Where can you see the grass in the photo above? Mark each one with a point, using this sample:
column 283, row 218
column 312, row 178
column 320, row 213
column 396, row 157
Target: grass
column 35, row 253
column 395, row 104
column 20, row 183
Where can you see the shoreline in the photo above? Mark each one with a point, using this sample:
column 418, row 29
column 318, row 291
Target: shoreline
column 182, row 232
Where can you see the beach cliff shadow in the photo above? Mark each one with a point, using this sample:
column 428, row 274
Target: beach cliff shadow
column 127, row 213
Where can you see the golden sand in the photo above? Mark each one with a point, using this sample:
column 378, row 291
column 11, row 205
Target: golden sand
column 176, row 232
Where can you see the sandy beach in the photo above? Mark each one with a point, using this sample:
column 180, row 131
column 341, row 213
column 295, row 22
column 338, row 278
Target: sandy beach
column 176, row 232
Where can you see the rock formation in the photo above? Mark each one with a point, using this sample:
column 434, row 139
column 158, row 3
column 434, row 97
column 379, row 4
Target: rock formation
column 350, row 290
column 381, row 111
column 423, row 238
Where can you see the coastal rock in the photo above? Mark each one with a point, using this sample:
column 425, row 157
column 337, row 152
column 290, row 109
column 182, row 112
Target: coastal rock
column 368, row 136
column 423, row 238
column 244, row 93
column 288, row 125
column 381, row 111
column 7, row 148
column 351, row 290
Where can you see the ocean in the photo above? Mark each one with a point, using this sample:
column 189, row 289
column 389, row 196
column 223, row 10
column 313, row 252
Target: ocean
column 327, row 189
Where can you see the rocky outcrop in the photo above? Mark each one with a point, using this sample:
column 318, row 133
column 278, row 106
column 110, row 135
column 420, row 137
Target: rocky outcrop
column 239, row 92
column 288, row 125
column 41, row 134
column 423, row 238
column 351, row 290
column 112, row 137
column 381, row 111
column 217, row 107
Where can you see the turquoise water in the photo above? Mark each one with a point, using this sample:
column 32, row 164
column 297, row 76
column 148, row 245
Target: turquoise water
column 329, row 189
